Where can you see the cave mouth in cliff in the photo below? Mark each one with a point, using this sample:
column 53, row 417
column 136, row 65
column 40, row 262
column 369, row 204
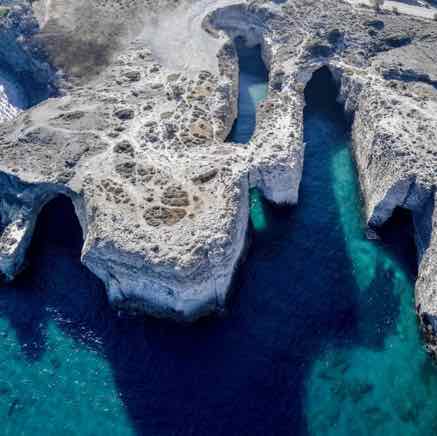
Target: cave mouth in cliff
column 321, row 96
column 57, row 228
column 253, row 87
column 398, row 234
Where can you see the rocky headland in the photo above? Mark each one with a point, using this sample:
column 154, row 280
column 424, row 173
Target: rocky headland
column 136, row 137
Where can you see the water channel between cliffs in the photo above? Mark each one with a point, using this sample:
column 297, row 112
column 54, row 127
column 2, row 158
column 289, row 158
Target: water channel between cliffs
column 320, row 337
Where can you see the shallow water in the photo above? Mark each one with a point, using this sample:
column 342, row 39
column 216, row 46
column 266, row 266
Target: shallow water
column 320, row 336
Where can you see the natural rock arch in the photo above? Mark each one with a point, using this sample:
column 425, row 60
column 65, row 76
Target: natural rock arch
column 19, row 224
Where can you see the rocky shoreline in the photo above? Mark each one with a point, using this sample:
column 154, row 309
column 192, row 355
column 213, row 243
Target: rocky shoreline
column 138, row 144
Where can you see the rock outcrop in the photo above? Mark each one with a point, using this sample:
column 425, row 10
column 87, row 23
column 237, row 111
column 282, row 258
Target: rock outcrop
column 139, row 148
column 138, row 140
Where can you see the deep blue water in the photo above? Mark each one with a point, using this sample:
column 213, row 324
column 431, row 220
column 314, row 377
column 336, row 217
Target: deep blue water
column 318, row 312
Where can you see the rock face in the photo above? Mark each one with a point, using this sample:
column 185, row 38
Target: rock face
column 138, row 140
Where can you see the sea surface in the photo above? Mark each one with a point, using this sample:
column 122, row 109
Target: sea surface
column 320, row 336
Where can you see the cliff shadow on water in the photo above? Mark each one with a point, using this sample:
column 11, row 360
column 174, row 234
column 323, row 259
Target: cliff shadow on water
column 378, row 380
column 71, row 364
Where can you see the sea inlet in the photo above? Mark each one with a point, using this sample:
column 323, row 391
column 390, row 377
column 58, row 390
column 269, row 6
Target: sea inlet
column 319, row 338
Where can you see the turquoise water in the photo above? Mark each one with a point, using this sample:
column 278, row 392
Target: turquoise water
column 381, row 381
column 54, row 378
column 378, row 380
column 320, row 336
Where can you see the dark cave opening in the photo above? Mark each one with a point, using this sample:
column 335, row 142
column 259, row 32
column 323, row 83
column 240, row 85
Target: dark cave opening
column 57, row 228
column 398, row 233
column 321, row 96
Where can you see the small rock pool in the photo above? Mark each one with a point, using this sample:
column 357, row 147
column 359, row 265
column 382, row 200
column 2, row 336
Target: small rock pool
column 320, row 337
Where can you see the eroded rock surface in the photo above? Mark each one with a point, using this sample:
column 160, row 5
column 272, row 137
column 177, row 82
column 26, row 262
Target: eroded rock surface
column 138, row 139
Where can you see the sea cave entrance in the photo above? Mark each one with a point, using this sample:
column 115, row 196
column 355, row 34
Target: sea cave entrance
column 57, row 228
column 321, row 97
column 398, row 233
